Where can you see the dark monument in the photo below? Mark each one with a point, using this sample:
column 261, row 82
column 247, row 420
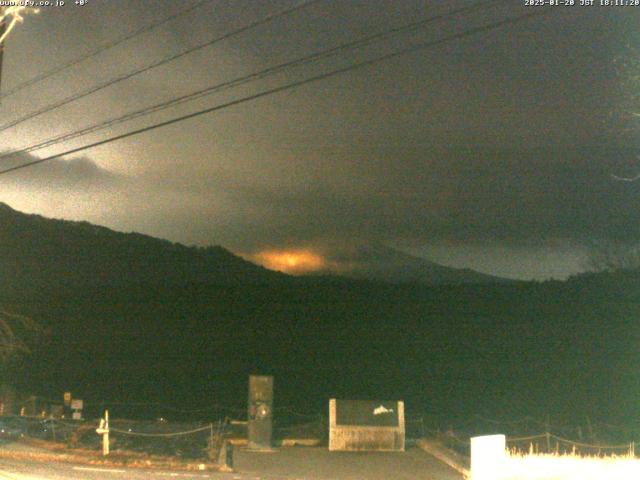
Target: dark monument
column 260, row 421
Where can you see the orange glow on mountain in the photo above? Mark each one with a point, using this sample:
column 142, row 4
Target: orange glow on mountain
column 290, row 261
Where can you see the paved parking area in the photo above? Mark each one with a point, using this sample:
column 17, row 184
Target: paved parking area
column 317, row 463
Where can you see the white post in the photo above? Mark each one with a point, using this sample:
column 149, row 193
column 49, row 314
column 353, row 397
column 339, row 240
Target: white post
column 103, row 430
column 105, row 437
column 487, row 457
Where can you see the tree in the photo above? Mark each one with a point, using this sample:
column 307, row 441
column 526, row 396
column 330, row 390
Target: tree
column 612, row 256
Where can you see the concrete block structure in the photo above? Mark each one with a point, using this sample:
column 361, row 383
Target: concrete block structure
column 366, row 425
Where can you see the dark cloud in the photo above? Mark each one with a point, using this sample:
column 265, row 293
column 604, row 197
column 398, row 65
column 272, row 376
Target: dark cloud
column 518, row 197
column 73, row 174
column 508, row 139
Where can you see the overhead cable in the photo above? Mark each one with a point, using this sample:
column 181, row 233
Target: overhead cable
column 316, row 78
column 259, row 75
column 171, row 58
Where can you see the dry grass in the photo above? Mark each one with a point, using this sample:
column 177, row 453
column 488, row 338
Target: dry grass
column 568, row 467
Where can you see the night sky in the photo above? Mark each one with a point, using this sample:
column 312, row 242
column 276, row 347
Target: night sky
column 495, row 151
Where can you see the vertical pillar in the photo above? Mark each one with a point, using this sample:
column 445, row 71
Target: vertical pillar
column 488, row 457
column 260, row 414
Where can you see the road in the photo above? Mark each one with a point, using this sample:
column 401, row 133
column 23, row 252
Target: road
column 285, row 464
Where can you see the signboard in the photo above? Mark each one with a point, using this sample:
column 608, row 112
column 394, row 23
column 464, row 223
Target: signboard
column 67, row 399
column 372, row 413
column 76, row 404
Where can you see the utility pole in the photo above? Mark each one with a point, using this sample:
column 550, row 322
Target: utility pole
column 3, row 28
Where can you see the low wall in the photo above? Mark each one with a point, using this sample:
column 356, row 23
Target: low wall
column 447, row 456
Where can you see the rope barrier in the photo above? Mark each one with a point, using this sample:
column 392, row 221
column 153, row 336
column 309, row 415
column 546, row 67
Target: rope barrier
column 174, row 434
column 294, row 412
column 523, row 439
column 587, row 445
column 550, row 436
column 527, row 419
column 297, row 426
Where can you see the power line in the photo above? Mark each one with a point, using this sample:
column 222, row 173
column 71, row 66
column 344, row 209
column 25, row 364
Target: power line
column 323, row 76
column 96, row 51
column 322, row 54
column 171, row 58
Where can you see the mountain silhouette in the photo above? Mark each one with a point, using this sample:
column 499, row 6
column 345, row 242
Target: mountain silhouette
column 42, row 253
column 375, row 261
